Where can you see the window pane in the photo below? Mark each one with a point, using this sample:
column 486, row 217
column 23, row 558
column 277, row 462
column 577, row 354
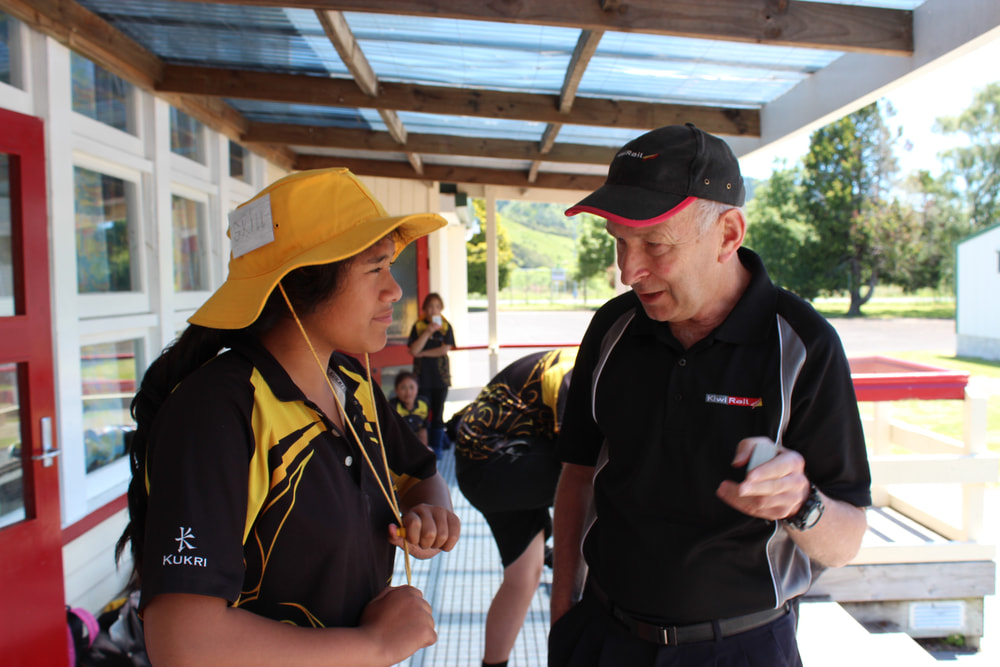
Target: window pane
column 238, row 162
column 189, row 245
column 99, row 94
column 103, row 233
column 186, row 136
column 109, row 372
column 5, row 64
column 405, row 311
column 11, row 465
column 7, row 306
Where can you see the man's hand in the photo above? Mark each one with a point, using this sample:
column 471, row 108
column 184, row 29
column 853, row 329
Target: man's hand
column 774, row 490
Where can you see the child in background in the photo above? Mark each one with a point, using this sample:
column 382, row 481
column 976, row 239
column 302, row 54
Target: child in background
column 409, row 405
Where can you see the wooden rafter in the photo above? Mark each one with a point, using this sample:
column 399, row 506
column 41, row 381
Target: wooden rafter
column 586, row 45
column 339, row 33
column 783, row 22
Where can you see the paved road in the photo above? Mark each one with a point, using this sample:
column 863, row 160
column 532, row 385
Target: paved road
column 860, row 336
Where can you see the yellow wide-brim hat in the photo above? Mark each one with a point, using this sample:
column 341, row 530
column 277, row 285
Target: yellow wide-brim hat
column 309, row 217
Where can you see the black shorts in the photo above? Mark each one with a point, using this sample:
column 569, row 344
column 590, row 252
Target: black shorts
column 588, row 636
column 513, row 488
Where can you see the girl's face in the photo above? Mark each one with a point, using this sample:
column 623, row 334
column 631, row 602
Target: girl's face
column 433, row 307
column 357, row 317
column 406, row 391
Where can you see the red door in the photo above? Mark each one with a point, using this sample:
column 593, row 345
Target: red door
column 32, row 611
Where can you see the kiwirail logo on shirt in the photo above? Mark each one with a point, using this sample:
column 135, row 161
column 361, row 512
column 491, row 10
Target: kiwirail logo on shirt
column 185, row 541
column 738, row 401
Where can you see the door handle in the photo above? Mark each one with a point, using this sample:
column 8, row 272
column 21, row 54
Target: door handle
column 48, row 451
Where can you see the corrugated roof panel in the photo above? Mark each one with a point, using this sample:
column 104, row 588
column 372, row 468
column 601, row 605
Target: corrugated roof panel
column 459, row 53
column 269, row 38
column 470, row 126
column 888, row 4
column 696, row 71
column 593, row 135
column 307, row 114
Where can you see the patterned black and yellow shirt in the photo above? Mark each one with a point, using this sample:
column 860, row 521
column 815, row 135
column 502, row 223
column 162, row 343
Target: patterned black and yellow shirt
column 524, row 399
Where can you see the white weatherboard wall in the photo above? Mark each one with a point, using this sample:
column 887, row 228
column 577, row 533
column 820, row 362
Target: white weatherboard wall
column 977, row 321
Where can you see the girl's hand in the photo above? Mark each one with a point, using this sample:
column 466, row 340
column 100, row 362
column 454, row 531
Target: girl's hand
column 429, row 530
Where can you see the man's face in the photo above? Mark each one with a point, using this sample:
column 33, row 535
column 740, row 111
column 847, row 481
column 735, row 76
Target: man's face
column 671, row 266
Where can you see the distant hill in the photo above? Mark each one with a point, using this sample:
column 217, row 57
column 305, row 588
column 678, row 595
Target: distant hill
column 535, row 248
column 549, row 218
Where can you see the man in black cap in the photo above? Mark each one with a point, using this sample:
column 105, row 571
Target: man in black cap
column 701, row 373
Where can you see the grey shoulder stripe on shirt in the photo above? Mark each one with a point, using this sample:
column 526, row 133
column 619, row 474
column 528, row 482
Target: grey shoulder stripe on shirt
column 611, row 338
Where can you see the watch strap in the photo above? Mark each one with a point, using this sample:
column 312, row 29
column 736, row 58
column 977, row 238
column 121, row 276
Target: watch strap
column 810, row 512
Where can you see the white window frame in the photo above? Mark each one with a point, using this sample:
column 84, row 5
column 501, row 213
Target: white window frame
column 16, row 96
column 137, row 300
column 191, row 300
column 84, row 493
column 86, row 126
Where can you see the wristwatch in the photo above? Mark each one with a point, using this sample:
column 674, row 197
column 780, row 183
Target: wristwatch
column 810, row 512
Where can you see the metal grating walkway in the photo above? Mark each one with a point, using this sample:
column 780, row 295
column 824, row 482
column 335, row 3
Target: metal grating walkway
column 460, row 585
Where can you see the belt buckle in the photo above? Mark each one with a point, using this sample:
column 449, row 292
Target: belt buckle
column 665, row 636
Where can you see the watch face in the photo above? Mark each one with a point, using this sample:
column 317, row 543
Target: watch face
column 812, row 516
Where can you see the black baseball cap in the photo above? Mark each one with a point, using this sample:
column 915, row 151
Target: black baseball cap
column 661, row 172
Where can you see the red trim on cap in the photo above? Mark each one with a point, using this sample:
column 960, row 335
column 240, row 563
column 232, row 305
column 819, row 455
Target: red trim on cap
column 628, row 222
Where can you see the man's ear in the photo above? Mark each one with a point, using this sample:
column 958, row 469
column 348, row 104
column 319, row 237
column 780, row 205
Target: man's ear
column 734, row 229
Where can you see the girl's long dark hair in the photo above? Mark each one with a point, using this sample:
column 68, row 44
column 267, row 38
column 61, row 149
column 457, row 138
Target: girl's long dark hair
column 307, row 288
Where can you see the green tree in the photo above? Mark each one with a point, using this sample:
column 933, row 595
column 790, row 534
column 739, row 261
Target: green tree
column 777, row 230
column 595, row 250
column 848, row 174
column 475, row 249
column 942, row 221
column 978, row 163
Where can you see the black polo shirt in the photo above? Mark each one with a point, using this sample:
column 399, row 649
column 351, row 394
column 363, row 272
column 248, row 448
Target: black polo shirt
column 664, row 546
column 255, row 498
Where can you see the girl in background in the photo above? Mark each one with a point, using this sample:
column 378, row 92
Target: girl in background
column 431, row 339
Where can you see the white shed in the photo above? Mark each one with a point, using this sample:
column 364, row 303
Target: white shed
column 977, row 317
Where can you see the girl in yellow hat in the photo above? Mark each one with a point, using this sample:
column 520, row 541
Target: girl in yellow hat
column 272, row 483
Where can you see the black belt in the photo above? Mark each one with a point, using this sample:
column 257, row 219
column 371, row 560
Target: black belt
column 684, row 634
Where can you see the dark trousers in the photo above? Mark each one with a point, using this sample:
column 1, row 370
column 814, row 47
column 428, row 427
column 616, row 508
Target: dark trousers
column 588, row 636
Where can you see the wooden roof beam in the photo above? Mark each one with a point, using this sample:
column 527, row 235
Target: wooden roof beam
column 814, row 25
column 303, row 89
column 449, row 174
column 429, row 144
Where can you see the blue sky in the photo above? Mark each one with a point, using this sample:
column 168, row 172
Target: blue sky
column 946, row 91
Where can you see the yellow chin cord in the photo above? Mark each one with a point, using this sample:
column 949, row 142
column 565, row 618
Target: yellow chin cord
column 390, row 497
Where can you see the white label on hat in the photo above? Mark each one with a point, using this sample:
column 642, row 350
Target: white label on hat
column 250, row 226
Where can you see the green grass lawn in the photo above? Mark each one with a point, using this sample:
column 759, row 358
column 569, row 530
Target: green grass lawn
column 890, row 308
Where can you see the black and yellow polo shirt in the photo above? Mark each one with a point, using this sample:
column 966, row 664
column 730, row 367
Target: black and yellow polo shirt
column 416, row 418
column 524, row 400
column 254, row 497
